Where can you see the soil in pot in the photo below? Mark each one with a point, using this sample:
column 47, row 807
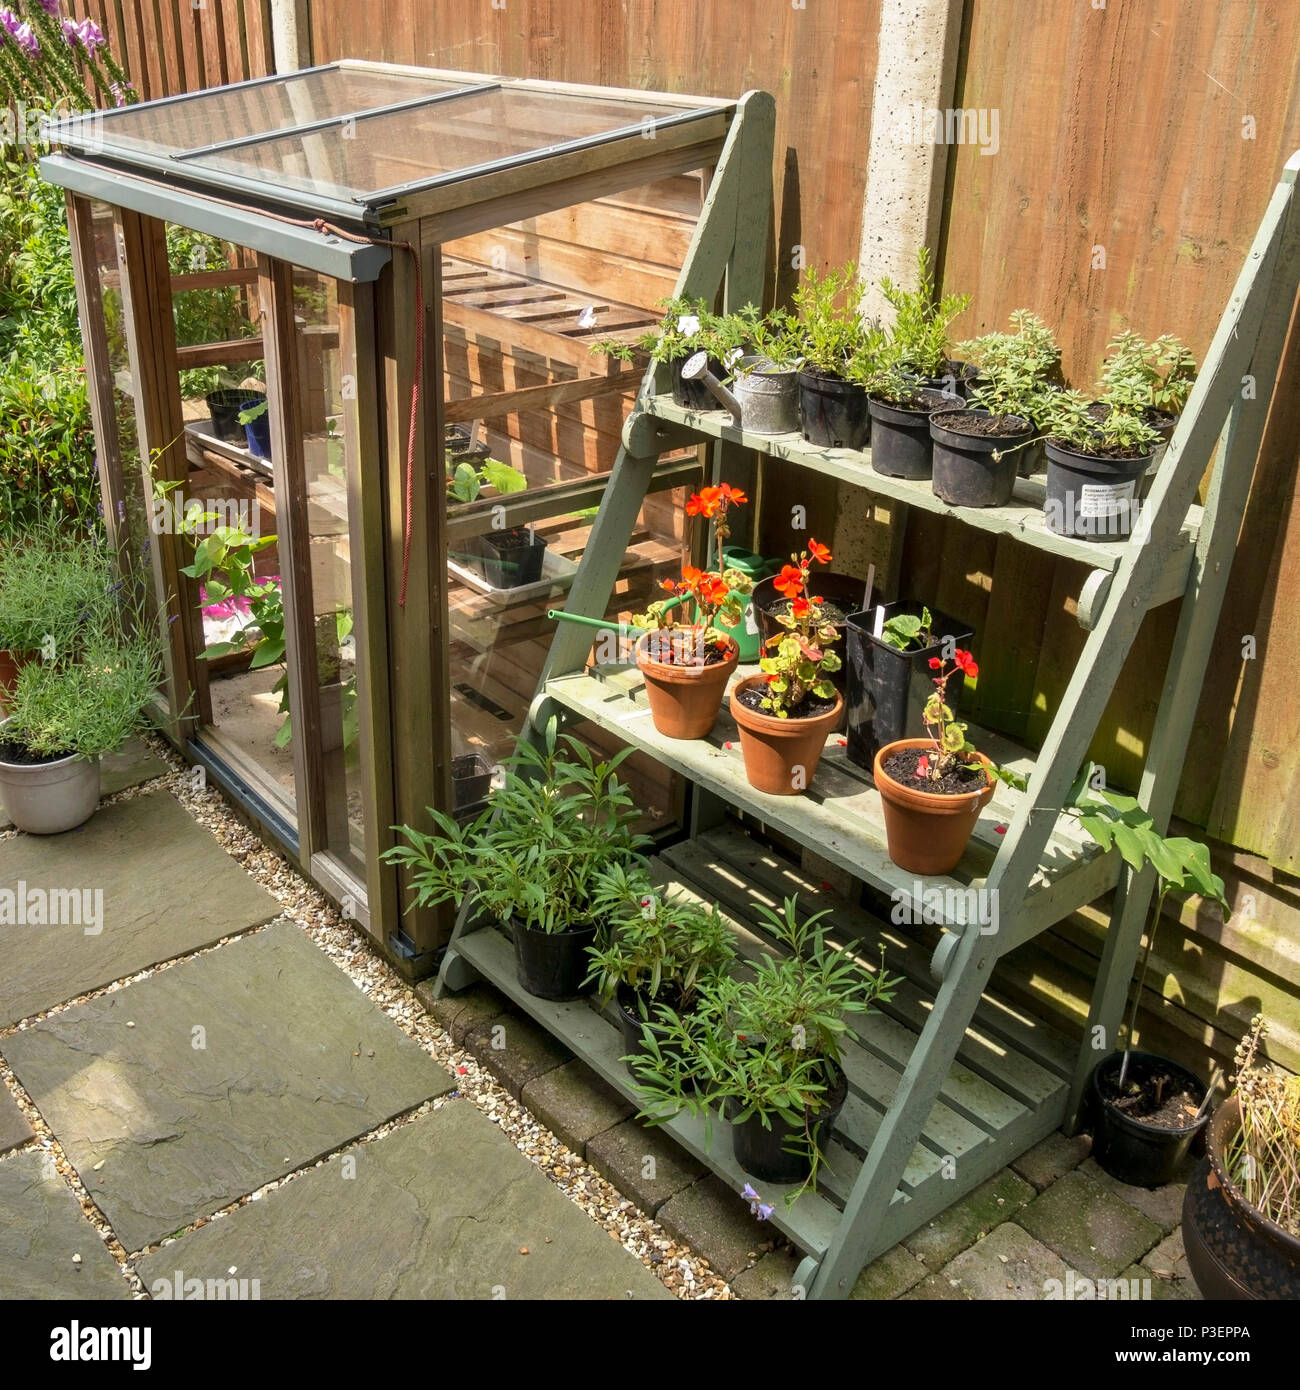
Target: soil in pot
column 833, row 412
column 694, row 395
column 927, row 830
column 684, row 697
column 886, row 689
column 1142, row 1134
column 900, row 444
column 771, row 1154
column 781, row 755
column 224, row 407
column 1234, row 1251
column 553, row 965
column 512, row 558
column 976, row 455
column 1093, row 496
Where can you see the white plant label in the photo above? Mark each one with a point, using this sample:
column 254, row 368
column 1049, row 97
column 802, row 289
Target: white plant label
column 1104, row 499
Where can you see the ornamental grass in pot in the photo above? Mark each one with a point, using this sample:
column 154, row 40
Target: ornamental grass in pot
column 1241, row 1210
column 764, row 1052
column 786, row 713
column 661, row 950
column 532, row 860
column 686, row 661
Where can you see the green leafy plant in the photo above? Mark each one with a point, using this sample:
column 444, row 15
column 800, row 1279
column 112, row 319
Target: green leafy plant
column 465, row 482
column 663, row 946
column 832, row 336
column 1118, row 431
column 907, row 630
column 801, row 660
column 919, row 340
column 1139, row 377
column 767, row 1046
column 57, row 588
column 559, row 819
column 1017, row 369
column 687, row 326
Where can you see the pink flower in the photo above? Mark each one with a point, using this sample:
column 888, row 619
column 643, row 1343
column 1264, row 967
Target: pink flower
column 51, row 7
column 91, row 35
column 26, row 40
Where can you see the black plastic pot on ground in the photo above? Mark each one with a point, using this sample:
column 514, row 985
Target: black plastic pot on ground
column 900, row 443
column 1234, row 1251
column 832, row 411
column 973, row 469
column 513, row 558
column 224, row 407
column 887, row 689
column 694, row 395
column 553, row 965
column 1092, row 497
column 780, row 1154
column 1137, row 1151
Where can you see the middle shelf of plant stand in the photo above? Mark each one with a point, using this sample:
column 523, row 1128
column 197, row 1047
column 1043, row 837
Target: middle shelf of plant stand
column 1007, row 1089
column 840, row 815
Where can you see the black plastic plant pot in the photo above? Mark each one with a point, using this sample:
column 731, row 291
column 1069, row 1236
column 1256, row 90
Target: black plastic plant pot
column 960, row 379
column 1033, row 458
column 511, row 559
column 1090, row 497
column 833, row 412
column 1132, row 1150
column 900, row 441
column 627, row 1004
column 471, row 780
column 553, row 965
column 842, row 590
column 771, row 1154
column 224, row 407
column 695, row 395
column 887, row 689
column 258, row 431
column 972, row 470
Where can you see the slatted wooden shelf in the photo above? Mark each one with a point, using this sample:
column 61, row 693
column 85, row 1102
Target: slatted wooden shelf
column 840, row 814
column 1021, row 519
column 1006, row 1091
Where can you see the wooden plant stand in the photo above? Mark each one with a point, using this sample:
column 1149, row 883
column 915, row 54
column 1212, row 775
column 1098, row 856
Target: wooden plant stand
column 947, row 1083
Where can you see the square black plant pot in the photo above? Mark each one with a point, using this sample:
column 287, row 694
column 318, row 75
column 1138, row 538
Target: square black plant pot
column 887, row 689
column 471, row 780
column 511, row 559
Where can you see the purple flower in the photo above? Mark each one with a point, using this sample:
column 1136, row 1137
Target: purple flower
column 71, row 33
column 8, row 21
column 749, row 1194
column 757, row 1207
column 91, row 35
column 26, row 40
column 763, row 1212
column 51, row 7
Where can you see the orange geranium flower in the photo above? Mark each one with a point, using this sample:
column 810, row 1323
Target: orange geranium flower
column 819, row 552
column 789, row 582
column 799, row 607
column 732, row 495
column 704, row 503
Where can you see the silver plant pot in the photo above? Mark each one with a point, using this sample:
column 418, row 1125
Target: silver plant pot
column 49, row 798
column 768, row 396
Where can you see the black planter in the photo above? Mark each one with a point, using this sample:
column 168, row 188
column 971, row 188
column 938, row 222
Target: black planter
column 833, row 411
column 763, row 1153
column 1140, row 1154
column 694, row 395
column 900, row 442
column 974, row 470
column 1091, row 497
column 960, row 379
column 224, row 407
column 471, row 780
column 841, row 589
column 511, row 559
column 627, row 1004
column 1234, row 1251
column 553, row 965
column 887, row 689
column 1033, row 458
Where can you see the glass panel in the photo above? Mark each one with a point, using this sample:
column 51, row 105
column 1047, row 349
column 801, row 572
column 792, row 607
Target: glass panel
column 231, row 112
column 403, row 147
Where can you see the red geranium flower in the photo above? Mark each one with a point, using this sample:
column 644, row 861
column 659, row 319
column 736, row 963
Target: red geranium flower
column 789, row 582
column 799, row 608
column 731, row 495
column 703, row 503
column 967, row 663
column 935, row 663
column 819, row 552
column 923, row 766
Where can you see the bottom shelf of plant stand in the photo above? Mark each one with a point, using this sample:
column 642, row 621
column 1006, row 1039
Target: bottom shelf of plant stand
column 1007, row 1090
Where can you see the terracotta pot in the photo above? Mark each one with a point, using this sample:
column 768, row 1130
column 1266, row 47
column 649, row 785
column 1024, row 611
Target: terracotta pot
column 927, row 832
column 684, row 700
column 781, row 755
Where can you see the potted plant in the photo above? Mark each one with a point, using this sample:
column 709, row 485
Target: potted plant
column 919, row 341
column 838, row 595
column 887, row 655
column 786, row 713
column 687, row 327
column 1153, row 379
column 764, row 1051
column 1019, row 372
column 1147, row 1109
column 765, row 367
column 661, row 950
column 532, row 860
column 511, row 557
column 932, row 789
column 839, row 353
column 66, row 714
column 900, row 409
column 976, row 453
column 1093, row 467
column 1241, row 1210
column 687, row 661
column 255, row 416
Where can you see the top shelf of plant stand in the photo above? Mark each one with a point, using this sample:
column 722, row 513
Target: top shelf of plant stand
column 1022, row 518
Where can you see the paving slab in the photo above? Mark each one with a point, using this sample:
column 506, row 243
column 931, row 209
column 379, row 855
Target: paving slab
column 1163, row 1205
column 575, row 1104
column 167, row 888
column 1094, row 1231
column 516, row 1050
column 888, row 1276
column 1007, row 1264
column 131, row 765
column 643, row 1164
column 770, row 1280
column 715, row 1221
column 460, row 1013
column 1055, row 1156
column 1145, row 1283
column 42, row 1229
column 443, row 1207
column 183, row 1091
column 992, row 1203
column 14, row 1128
